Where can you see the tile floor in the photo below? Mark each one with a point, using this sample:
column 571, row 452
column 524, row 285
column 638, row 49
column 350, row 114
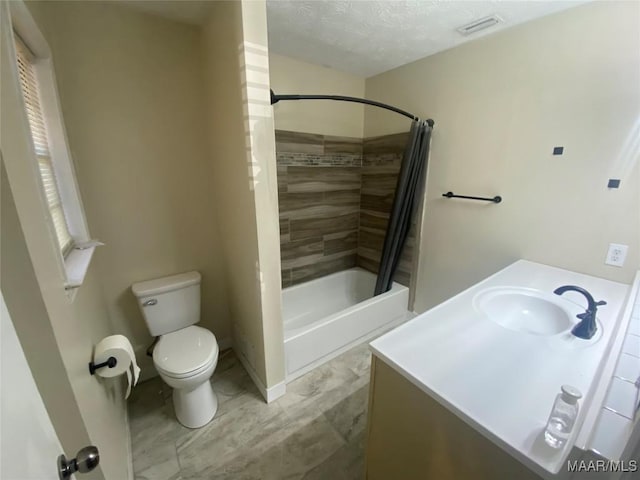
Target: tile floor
column 315, row 431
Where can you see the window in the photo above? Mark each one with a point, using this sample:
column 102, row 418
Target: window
column 32, row 99
column 33, row 85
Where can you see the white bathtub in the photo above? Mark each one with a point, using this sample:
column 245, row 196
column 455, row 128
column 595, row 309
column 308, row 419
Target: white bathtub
column 324, row 317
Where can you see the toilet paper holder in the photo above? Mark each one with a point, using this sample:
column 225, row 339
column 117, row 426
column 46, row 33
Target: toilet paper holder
column 111, row 362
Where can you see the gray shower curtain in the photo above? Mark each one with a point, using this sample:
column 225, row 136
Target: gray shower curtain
column 409, row 190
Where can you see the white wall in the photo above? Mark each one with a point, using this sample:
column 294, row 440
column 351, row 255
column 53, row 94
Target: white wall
column 325, row 117
column 501, row 104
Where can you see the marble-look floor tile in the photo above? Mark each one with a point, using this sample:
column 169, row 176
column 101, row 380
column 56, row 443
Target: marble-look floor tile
column 146, row 396
column 349, row 417
column 347, row 463
column 153, row 443
column 315, row 430
column 357, row 360
column 289, row 454
column 320, row 390
column 244, row 426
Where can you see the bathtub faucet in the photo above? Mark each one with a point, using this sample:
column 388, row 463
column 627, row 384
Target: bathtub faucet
column 587, row 327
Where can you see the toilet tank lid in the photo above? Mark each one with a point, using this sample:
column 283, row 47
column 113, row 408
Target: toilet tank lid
column 165, row 284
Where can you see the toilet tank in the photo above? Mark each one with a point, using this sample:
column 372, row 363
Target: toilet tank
column 169, row 303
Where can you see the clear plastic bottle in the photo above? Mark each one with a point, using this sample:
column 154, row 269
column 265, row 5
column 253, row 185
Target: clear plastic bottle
column 563, row 417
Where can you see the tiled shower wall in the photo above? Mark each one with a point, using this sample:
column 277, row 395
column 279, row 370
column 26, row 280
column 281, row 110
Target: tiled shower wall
column 319, row 197
column 335, row 195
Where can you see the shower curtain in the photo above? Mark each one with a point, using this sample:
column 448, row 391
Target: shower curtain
column 409, row 190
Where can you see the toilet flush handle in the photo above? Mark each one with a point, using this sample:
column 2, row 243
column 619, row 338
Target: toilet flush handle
column 150, row 303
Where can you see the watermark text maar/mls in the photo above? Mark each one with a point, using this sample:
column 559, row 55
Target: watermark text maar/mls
column 602, row 466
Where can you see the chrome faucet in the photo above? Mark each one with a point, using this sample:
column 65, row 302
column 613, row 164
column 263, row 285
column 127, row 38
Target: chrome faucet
column 587, row 327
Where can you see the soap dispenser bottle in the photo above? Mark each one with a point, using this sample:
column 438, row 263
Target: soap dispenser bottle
column 563, row 417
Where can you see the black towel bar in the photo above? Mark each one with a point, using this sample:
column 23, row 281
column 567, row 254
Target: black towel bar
column 496, row 199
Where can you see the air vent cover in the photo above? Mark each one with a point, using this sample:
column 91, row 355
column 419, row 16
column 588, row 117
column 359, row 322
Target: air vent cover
column 480, row 24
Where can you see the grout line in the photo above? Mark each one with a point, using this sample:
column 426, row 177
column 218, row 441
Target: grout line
column 624, row 379
column 617, row 412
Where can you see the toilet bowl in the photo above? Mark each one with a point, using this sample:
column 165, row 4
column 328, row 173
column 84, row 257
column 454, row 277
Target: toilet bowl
column 185, row 354
column 185, row 360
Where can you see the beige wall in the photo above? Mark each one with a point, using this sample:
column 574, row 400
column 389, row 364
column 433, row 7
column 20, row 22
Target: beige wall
column 131, row 88
column 243, row 158
column 57, row 333
column 291, row 76
column 258, row 115
column 500, row 105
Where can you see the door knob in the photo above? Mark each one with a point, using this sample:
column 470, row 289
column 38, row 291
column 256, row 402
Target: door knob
column 86, row 460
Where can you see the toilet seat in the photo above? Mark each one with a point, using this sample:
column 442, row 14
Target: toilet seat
column 185, row 352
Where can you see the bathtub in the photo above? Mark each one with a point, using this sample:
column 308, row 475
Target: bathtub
column 324, row 317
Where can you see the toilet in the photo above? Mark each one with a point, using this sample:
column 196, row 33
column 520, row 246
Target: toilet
column 185, row 354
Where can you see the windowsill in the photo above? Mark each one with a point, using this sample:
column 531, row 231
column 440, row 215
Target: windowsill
column 76, row 265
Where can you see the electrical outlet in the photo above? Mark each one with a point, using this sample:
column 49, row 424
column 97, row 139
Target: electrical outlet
column 616, row 254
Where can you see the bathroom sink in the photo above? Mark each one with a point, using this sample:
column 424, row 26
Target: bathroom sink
column 524, row 310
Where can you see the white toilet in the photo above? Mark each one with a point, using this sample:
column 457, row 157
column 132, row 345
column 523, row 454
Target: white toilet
column 185, row 354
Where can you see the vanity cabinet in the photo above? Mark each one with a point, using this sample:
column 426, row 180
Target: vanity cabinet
column 410, row 436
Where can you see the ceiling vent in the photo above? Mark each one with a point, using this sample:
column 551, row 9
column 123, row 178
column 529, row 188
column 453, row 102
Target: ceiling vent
column 480, row 24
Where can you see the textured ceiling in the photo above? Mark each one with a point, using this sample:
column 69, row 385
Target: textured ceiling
column 371, row 37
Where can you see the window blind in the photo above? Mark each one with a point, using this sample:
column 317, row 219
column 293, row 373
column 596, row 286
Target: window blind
column 31, row 95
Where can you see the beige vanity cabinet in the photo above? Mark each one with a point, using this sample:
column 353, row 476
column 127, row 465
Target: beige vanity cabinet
column 410, row 436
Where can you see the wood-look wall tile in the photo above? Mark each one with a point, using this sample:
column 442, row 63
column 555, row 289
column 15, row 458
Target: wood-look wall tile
column 342, row 197
column 320, row 269
column 402, row 277
column 373, row 220
column 322, row 179
column 286, row 278
column 386, row 167
column 282, row 179
column 386, row 143
column 370, row 253
column 388, row 162
column 284, row 226
column 291, row 201
column 323, row 211
column 333, row 214
column 368, row 264
column 297, row 248
column 376, row 203
column 340, row 242
column 298, row 142
column 378, row 183
column 314, row 227
column 334, row 144
column 371, row 239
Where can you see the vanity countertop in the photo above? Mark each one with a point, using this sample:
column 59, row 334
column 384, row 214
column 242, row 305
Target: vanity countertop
column 503, row 382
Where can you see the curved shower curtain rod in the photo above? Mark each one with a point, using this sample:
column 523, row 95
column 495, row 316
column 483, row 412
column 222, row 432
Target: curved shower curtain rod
column 276, row 98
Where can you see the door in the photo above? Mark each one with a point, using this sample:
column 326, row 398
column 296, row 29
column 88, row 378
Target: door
column 28, row 443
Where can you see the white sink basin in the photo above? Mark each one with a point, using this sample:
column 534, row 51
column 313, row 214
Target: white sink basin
column 524, row 310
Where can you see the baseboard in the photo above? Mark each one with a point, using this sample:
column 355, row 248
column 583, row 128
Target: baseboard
column 269, row 394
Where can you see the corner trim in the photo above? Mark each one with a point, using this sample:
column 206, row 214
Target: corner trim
column 269, row 394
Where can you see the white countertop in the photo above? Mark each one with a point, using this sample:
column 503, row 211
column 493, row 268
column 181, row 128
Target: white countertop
column 502, row 382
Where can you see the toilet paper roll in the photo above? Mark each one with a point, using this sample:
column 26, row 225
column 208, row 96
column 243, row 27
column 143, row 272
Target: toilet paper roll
column 118, row 347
